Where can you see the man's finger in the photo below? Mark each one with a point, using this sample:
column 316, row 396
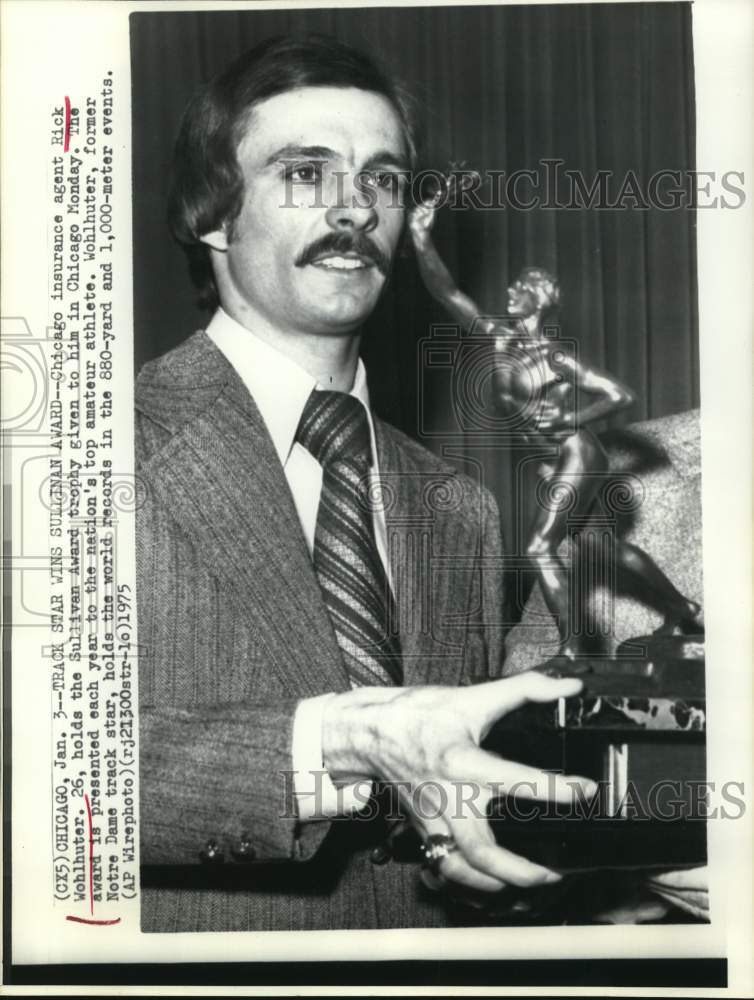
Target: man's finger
column 454, row 867
column 476, row 843
column 485, row 703
column 497, row 776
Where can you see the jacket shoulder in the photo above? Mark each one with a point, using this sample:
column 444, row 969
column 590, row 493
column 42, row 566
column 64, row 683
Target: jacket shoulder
column 412, row 452
column 172, row 389
column 401, row 453
column 187, row 363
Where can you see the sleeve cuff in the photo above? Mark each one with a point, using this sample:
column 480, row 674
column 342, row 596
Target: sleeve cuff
column 315, row 794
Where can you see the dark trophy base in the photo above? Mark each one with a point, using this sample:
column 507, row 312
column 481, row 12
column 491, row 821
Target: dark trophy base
column 637, row 729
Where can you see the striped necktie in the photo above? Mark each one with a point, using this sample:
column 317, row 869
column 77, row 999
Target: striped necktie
column 334, row 428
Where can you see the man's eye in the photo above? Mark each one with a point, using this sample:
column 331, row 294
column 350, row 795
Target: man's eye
column 388, row 180
column 304, row 173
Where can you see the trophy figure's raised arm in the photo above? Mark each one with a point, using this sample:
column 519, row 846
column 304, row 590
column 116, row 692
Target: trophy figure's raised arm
column 539, row 383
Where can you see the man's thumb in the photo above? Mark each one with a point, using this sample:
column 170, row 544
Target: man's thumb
column 492, row 700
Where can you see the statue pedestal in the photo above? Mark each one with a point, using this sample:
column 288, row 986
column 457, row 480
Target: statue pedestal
column 638, row 730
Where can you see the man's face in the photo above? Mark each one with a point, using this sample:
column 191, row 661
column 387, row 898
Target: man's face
column 312, row 246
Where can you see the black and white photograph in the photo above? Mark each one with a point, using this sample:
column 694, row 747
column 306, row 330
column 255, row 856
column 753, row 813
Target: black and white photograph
column 376, row 441
column 417, row 414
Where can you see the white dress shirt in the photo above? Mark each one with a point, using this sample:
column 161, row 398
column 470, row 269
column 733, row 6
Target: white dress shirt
column 280, row 389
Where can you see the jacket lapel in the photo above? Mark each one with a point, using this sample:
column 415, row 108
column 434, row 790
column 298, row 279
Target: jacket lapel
column 428, row 591
column 221, row 480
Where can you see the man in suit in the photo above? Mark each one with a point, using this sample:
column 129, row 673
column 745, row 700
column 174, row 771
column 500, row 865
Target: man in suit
column 319, row 597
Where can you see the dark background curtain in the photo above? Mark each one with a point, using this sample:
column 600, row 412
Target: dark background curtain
column 601, row 87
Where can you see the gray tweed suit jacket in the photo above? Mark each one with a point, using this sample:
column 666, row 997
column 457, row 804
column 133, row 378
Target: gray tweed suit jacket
column 233, row 632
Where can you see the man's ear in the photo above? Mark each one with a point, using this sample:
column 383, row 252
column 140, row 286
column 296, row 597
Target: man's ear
column 216, row 240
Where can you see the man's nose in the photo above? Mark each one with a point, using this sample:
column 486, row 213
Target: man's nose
column 351, row 210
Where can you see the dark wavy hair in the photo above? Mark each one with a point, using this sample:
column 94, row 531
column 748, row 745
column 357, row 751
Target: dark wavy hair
column 206, row 189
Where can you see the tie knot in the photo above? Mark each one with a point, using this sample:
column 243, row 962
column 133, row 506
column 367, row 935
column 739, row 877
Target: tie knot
column 334, row 426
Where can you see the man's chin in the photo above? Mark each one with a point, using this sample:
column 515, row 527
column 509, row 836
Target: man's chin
column 336, row 320
column 344, row 312
column 340, row 324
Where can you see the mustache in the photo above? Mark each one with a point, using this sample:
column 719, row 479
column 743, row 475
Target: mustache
column 343, row 243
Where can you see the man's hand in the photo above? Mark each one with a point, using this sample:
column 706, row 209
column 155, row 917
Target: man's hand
column 425, row 741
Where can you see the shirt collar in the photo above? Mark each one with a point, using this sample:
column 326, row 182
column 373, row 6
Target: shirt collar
column 278, row 386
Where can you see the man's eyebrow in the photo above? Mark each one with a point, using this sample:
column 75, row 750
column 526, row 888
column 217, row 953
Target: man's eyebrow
column 387, row 158
column 294, row 152
column 382, row 158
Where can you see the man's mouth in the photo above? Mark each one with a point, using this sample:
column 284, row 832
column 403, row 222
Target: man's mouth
column 342, row 262
column 346, row 253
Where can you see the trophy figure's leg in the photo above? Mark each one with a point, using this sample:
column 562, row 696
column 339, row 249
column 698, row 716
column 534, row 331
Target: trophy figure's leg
column 568, row 492
column 677, row 610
